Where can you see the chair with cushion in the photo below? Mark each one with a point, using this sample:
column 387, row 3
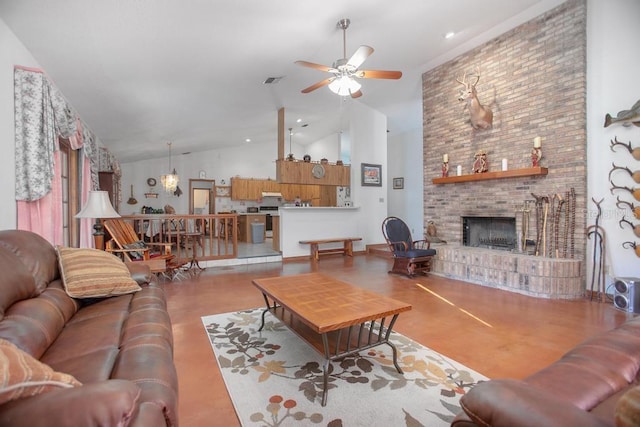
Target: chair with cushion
column 409, row 256
column 126, row 242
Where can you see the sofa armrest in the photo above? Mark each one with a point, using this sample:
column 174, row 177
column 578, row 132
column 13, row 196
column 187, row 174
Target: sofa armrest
column 140, row 272
column 107, row 403
column 508, row 403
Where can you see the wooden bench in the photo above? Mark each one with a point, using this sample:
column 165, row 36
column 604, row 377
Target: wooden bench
column 346, row 249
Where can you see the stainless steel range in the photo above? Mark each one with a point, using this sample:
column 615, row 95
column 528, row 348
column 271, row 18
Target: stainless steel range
column 267, row 210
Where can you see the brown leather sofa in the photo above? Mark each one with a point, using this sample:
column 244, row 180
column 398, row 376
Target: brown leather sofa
column 595, row 384
column 120, row 348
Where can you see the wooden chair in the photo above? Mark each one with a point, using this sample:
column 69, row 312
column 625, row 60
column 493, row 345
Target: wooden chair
column 409, row 256
column 126, row 242
column 172, row 230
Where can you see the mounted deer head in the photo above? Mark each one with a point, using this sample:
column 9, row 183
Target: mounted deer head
column 481, row 116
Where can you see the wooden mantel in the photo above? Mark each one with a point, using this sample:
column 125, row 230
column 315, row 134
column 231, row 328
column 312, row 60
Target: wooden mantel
column 514, row 173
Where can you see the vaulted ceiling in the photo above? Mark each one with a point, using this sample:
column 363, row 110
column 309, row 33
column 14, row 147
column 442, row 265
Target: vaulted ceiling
column 144, row 72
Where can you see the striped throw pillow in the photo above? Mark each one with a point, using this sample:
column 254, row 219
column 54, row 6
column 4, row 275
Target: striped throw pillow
column 91, row 273
column 23, row 376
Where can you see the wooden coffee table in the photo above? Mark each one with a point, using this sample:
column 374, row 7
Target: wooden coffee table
column 336, row 318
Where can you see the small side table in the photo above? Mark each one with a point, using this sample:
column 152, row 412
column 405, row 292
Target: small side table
column 195, row 238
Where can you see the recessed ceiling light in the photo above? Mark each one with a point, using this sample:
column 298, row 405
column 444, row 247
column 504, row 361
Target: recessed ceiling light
column 247, row 140
column 449, row 35
column 298, row 121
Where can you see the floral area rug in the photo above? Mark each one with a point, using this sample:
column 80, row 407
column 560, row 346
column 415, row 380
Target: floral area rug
column 275, row 378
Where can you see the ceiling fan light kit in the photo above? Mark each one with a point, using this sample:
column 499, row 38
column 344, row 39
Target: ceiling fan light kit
column 344, row 86
column 345, row 71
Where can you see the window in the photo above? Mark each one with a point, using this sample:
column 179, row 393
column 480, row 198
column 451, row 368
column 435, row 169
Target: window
column 70, row 193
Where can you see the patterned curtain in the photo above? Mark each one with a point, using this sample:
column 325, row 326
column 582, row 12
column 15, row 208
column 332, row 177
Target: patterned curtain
column 42, row 115
column 35, row 135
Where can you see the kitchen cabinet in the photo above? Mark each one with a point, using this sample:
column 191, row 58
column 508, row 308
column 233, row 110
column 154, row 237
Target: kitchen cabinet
column 244, row 224
column 328, row 196
column 251, row 189
column 305, row 192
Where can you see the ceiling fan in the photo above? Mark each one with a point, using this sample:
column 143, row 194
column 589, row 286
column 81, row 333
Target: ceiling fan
column 345, row 71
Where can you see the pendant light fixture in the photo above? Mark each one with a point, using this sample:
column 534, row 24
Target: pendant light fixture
column 290, row 156
column 170, row 181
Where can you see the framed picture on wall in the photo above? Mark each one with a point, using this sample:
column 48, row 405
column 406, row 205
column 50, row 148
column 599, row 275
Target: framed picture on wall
column 371, row 175
column 398, row 183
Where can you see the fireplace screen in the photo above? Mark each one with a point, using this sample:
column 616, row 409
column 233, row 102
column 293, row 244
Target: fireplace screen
column 489, row 232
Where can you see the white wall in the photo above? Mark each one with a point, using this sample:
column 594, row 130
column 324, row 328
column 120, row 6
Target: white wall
column 327, row 147
column 404, row 160
column 246, row 160
column 368, row 134
column 613, row 84
column 12, row 52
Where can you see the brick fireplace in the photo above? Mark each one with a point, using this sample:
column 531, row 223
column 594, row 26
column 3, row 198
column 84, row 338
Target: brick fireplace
column 489, row 232
column 534, row 79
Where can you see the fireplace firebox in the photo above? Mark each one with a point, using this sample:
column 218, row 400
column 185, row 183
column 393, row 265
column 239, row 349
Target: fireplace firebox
column 489, row 232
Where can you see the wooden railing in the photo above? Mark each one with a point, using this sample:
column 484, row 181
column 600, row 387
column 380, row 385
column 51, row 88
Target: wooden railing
column 203, row 237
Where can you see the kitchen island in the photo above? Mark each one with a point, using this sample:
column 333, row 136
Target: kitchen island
column 312, row 223
column 245, row 221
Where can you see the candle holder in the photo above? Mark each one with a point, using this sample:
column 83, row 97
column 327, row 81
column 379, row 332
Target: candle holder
column 445, row 169
column 536, row 155
column 536, row 152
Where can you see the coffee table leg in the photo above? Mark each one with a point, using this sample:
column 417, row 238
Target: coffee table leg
column 395, row 357
column 393, row 347
column 325, row 369
column 266, row 310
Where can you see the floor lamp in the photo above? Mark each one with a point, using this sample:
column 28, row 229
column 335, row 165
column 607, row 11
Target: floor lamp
column 98, row 206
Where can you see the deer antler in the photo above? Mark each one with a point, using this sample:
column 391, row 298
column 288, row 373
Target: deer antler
column 463, row 79
column 616, row 142
column 477, row 76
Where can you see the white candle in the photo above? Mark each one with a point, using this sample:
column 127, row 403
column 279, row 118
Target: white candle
column 536, row 142
column 445, row 158
column 459, row 170
column 504, row 164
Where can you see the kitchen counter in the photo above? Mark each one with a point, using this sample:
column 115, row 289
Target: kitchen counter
column 244, row 225
column 320, row 208
column 309, row 223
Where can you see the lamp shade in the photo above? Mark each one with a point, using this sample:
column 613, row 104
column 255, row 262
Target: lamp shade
column 98, row 206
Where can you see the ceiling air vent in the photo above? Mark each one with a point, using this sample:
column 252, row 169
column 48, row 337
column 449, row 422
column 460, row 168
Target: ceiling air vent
column 272, row 80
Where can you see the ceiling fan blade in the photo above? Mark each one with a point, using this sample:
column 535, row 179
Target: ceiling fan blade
column 359, row 56
column 356, row 94
column 318, row 85
column 379, row 74
column 316, row 66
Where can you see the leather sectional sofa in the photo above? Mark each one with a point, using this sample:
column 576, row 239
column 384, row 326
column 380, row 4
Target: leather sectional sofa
column 594, row 384
column 117, row 351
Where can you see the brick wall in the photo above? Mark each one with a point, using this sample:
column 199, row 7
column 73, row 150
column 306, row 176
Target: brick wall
column 533, row 78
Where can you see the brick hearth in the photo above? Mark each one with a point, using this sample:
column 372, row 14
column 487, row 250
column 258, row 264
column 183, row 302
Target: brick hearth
column 553, row 278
